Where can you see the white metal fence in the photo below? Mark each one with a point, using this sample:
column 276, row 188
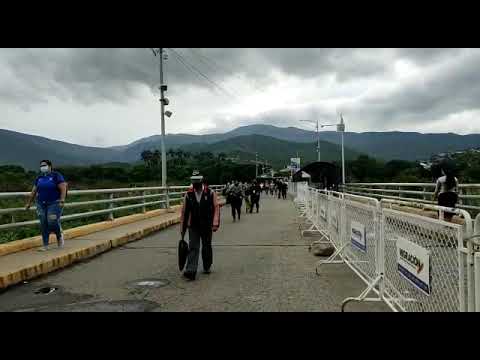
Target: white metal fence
column 408, row 260
column 138, row 198
column 469, row 194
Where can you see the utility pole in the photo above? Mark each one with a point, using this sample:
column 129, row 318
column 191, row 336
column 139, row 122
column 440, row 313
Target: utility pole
column 341, row 128
column 163, row 88
column 318, row 142
column 256, row 165
column 318, row 136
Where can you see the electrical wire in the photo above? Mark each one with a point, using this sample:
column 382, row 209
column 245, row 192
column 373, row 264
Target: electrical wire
column 213, row 63
column 194, row 69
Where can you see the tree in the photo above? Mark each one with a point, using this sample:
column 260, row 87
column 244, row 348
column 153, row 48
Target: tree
column 147, row 157
column 157, row 158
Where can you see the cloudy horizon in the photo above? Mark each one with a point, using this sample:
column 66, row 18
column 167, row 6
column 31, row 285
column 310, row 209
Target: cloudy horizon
column 107, row 97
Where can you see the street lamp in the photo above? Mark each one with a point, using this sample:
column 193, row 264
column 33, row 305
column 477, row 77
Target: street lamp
column 163, row 102
column 341, row 129
column 318, row 136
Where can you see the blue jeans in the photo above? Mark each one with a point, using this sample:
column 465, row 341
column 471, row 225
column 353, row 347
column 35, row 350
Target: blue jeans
column 49, row 215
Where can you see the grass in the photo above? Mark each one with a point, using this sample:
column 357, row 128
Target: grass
column 23, row 232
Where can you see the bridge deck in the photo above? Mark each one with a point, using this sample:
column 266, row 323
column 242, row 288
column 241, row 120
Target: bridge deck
column 260, row 264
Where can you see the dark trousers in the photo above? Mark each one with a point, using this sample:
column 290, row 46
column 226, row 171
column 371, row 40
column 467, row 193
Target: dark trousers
column 236, row 206
column 196, row 236
column 255, row 202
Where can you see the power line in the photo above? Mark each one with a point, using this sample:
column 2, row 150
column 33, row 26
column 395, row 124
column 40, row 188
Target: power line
column 222, row 67
column 212, row 63
column 222, row 88
column 194, row 69
column 189, row 68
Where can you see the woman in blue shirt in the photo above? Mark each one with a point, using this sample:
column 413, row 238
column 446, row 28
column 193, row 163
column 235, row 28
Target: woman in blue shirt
column 49, row 190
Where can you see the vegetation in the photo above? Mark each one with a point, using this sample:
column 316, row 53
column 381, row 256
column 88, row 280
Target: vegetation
column 215, row 166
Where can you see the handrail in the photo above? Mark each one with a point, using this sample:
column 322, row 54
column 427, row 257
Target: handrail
column 411, row 184
column 469, row 194
column 166, row 194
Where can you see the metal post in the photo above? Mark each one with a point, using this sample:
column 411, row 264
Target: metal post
column 167, row 198
column 256, row 165
column 341, row 128
column 144, row 208
column 110, row 206
column 343, row 163
column 318, row 142
column 162, row 110
column 477, row 281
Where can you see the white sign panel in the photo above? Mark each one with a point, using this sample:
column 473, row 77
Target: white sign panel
column 357, row 236
column 414, row 264
column 295, row 164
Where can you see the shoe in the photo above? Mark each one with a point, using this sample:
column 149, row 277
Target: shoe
column 208, row 271
column 42, row 249
column 189, row 275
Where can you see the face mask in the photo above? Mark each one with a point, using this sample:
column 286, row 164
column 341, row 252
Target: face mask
column 44, row 169
column 197, row 186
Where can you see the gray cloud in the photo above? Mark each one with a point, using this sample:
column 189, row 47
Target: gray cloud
column 448, row 81
column 96, row 75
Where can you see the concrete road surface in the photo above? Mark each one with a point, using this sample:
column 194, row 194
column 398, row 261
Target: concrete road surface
column 260, row 264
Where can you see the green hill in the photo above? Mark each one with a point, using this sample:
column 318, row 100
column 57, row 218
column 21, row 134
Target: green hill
column 276, row 152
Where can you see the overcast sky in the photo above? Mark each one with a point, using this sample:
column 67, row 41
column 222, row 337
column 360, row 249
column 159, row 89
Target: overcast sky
column 104, row 97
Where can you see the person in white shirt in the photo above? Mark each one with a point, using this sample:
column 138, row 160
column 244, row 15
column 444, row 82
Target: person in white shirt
column 446, row 191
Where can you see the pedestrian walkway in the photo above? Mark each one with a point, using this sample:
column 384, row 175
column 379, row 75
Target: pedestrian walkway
column 28, row 264
column 261, row 263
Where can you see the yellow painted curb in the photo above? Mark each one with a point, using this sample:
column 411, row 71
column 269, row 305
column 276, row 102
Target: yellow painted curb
column 64, row 260
column 36, row 241
column 76, row 255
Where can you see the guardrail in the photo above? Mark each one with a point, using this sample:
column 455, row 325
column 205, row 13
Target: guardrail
column 469, row 194
column 408, row 260
column 137, row 197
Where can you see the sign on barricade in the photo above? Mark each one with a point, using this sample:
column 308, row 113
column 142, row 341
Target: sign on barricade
column 421, row 262
column 410, row 261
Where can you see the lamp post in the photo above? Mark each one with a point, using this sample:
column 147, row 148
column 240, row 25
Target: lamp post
column 341, row 129
column 318, row 136
column 163, row 102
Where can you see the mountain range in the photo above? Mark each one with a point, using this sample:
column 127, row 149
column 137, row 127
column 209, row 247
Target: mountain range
column 274, row 144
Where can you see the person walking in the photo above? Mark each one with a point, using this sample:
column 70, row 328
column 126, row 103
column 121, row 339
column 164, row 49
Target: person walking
column 201, row 216
column 248, row 198
column 49, row 192
column 255, row 191
column 446, row 191
column 236, row 198
column 284, row 185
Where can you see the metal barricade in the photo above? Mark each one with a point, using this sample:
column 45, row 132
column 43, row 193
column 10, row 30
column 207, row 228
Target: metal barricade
column 319, row 217
column 335, row 219
column 426, row 261
column 362, row 236
column 410, row 261
column 475, row 247
column 311, row 211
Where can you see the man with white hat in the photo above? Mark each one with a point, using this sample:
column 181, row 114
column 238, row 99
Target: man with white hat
column 201, row 215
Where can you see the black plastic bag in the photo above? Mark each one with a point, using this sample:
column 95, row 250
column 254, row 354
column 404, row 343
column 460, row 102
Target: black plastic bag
column 182, row 254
